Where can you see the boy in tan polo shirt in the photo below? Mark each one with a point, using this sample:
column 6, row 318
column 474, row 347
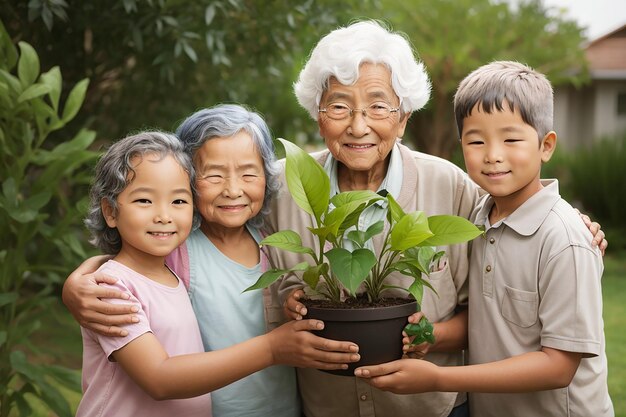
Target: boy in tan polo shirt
column 536, row 339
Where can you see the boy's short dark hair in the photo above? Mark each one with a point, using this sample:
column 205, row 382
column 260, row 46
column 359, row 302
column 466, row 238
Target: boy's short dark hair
column 521, row 87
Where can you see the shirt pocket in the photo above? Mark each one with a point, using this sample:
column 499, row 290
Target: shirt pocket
column 441, row 305
column 520, row 307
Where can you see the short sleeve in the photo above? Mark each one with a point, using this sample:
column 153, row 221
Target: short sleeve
column 571, row 302
column 110, row 344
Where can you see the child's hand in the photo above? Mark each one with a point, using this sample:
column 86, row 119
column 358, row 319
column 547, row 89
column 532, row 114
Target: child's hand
column 405, row 376
column 414, row 351
column 293, row 309
column 293, row 344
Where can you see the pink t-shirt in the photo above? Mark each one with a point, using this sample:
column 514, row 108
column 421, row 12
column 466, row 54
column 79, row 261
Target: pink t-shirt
column 164, row 311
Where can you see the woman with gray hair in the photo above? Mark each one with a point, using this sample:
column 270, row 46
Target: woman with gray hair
column 236, row 179
column 360, row 84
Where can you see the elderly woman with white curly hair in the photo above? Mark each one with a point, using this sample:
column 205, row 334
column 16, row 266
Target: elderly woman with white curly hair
column 361, row 83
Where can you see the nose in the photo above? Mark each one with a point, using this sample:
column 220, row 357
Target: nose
column 493, row 154
column 163, row 216
column 232, row 188
column 358, row 123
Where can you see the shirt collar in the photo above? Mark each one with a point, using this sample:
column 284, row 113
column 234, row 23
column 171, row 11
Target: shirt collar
column 530, row 215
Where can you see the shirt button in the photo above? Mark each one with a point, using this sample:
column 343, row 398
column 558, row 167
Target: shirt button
column 488, row 268
column 363, row 397
column 492, row 241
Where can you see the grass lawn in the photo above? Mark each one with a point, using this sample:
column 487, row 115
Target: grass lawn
column 614, row 294
column 62, row 335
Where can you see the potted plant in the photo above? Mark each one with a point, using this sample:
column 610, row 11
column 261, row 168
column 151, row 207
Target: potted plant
column 335, row 273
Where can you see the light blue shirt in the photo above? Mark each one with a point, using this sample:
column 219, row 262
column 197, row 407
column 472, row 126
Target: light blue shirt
column 376, row 212
column 226, row 317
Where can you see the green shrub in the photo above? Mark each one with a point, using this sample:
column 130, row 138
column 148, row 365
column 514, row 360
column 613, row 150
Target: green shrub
column 42, row 188
column 596, row 179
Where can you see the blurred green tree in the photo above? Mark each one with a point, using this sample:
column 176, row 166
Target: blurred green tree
column 42, row 201
column 152, row 62
column 454, row 37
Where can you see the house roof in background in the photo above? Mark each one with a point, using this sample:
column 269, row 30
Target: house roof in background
column 607, row 55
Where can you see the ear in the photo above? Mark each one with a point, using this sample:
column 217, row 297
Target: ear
column 548, row 145
column 402, row 125
column 108, row 213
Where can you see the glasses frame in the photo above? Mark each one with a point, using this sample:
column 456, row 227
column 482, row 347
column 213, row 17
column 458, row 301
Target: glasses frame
column 351, row 112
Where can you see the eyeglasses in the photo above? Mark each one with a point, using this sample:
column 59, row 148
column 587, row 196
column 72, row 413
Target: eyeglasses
column 376, row 111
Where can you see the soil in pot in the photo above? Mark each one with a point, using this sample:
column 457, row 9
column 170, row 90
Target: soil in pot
column 376, row 329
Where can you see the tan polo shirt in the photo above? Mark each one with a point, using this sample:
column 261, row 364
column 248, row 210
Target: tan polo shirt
column 434, row 186
column 535, row 281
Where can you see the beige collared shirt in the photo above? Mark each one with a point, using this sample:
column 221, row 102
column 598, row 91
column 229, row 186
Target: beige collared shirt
column 535, row 281
column 434, row 186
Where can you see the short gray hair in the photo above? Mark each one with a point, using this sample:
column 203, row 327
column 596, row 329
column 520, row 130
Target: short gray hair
column 520, row 86
column 340, row 53
column 114, row 171
column 227, row 120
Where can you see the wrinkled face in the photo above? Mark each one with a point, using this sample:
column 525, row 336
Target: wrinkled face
column 503, row 154
column 359, row 142
column 230, row 181
column 155, row 211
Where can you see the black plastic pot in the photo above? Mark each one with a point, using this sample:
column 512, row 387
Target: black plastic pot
column 376, row 330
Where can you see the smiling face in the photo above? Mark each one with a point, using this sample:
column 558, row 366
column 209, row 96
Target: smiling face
column 503, row 155
column 155, row 211
column 360, row 143
column 230, row 181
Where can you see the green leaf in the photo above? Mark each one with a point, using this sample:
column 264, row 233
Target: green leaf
column 351, row 268
column 34, row 91
column 374, row 229
column 8, row 298
column 12, row 81
column 20, row 364
column 341, row 218
column 394, row 212
column 416, row 289
column 52, row 79
column 449, row 230
column 68, row 377
column 209, row 14
column 7, row 49
column 421, row 257
column 347, row 197
column 311, row 275
column 307, row 181
column 54, row 399
column 287, row 240
column 269, row 277
column 28, row 65
column 9, row 189
column 75, row 100
column 422, row 330
column 411, row 230
column 37, row 201
column 3, row 337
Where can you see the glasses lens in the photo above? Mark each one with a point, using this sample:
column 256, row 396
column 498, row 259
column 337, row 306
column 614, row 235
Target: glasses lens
column 337, row 110
column 378, row 111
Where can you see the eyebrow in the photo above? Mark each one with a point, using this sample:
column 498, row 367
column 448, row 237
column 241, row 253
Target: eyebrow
column 221, row 166
column 378, row 94
column 151, row 190
column 508, row 129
